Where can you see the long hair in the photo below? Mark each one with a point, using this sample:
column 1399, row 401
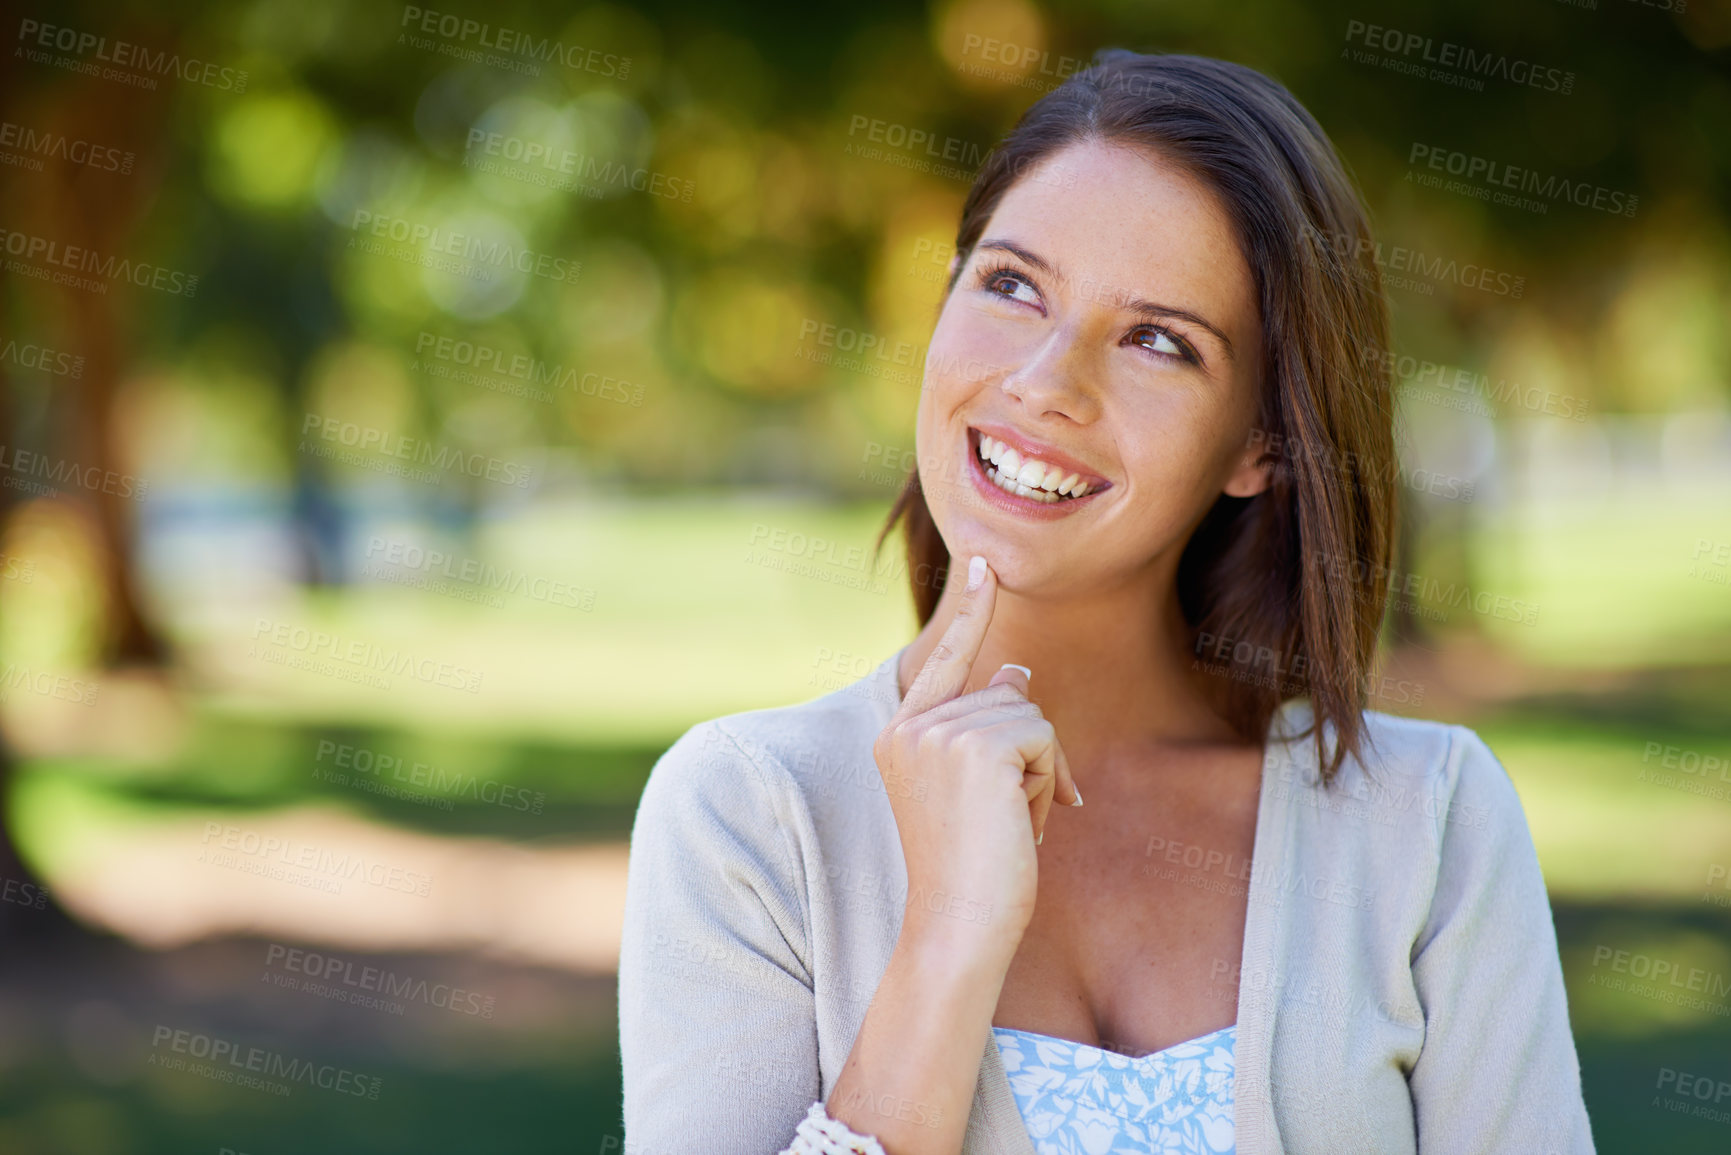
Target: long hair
column 1288, row 585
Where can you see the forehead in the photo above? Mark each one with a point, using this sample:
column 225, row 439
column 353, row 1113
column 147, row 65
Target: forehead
column 1119, row 220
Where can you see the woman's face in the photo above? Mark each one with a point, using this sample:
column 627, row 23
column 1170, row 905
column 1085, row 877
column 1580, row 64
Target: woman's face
column 1105, row 327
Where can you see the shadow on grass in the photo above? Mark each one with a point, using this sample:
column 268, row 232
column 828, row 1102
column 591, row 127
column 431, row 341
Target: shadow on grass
column 525, row 791
column 92, row 1066
column 1671, row 705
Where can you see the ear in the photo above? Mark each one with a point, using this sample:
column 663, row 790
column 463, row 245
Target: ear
column 1253, row 474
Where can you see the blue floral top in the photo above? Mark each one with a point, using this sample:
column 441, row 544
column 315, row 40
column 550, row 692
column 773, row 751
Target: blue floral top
column 1082, row 1100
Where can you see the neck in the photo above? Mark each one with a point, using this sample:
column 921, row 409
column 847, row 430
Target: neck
column 1112, row 671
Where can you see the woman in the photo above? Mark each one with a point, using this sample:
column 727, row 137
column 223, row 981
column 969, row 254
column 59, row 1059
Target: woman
column 1151, row 437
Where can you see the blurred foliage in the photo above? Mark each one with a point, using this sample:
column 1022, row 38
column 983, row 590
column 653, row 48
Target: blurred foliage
column 697, row 288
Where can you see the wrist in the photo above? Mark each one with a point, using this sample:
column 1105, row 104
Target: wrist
column 944, row 948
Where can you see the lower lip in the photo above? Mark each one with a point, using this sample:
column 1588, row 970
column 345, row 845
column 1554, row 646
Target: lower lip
column 1014, row 502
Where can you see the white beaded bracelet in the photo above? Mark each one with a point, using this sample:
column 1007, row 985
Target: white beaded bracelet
column 818, row 1134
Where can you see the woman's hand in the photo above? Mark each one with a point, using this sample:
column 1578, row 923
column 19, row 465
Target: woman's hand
column 990, row 766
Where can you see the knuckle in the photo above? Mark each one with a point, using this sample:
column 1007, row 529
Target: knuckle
column 998, row 697
column 902, row 736
column 971, row 742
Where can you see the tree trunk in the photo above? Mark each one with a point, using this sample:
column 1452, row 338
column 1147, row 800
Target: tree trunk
column 96, row 210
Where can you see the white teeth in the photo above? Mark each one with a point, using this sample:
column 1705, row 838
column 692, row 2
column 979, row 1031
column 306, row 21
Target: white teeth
column 1011, row 485
column 1028, row 476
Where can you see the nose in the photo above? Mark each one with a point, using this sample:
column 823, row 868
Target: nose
column 1058, row 378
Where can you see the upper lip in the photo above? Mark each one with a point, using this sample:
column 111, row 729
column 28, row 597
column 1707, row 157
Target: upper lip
column 1028, row 447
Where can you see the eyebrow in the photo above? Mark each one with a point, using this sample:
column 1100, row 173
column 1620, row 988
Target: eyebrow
column 1136, row 305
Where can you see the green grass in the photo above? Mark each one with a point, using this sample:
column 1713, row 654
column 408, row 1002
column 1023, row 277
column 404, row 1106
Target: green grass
column 696, row 612
column 541, row 1103
column 1616, row 581
column 1600, row 828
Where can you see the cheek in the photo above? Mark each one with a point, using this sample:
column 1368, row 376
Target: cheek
column 936, row 423
column 971, row 344
column 1173, row 457
column 954, row 371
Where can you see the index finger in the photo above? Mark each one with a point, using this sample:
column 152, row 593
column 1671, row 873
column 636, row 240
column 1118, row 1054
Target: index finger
column 946, row 670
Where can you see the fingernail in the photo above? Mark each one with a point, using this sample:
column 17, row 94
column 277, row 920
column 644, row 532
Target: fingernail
column 1026, row 673
column 1078, row 801
column 976, row 571
column 1041, row 838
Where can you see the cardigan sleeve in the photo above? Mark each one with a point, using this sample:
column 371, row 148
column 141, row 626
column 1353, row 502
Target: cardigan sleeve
column 717, row 1016
column 1498, row 1069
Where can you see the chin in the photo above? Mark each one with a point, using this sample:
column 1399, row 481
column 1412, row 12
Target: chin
column 1019, row 569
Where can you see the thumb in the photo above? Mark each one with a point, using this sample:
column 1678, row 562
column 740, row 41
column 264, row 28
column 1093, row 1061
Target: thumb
column 1010, row 674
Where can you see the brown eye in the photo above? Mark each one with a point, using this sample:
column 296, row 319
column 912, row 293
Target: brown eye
column 1162, row 342
column 1021, row 289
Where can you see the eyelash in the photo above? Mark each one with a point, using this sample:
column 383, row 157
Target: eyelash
column 1188, row 354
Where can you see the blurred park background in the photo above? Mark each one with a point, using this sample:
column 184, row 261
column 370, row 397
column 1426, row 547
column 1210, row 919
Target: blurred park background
column 415, row 418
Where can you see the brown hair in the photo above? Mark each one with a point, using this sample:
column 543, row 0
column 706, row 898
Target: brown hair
column 1292, row 575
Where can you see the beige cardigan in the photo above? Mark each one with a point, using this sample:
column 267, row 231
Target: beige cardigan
column 1400, row 989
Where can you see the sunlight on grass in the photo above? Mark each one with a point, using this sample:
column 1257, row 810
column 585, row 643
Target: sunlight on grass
column 1600, row 829
column 699, row 609
column 1617, row 582
column 314, row 872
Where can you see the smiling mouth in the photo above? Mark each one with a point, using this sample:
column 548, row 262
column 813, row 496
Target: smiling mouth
column 1029, row 477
